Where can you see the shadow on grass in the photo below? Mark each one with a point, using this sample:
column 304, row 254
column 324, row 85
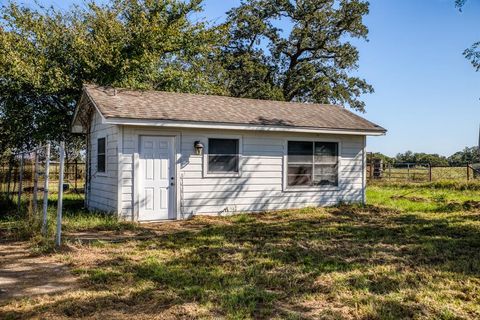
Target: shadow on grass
column 269, row 265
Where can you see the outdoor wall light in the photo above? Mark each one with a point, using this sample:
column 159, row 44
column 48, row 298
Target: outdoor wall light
column 198, row 147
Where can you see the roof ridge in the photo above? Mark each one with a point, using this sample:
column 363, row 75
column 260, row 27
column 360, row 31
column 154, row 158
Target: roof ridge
column 120, row 89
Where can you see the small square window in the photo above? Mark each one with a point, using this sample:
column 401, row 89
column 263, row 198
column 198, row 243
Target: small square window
column 101, row 155
column 223, row 156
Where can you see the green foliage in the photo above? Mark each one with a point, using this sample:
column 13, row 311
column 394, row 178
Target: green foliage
column 411, row 157
column 379, row 155
column 311, row 62
column 467, row 155
column 47, row 55
column 26, row 225
column 429, row 197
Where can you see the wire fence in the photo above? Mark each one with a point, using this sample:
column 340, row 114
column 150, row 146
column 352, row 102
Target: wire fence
column 420, row 172
column 74, row 175
column 26, row 180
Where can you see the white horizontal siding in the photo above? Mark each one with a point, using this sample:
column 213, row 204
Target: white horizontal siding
column 260, row 186
column 102, row 193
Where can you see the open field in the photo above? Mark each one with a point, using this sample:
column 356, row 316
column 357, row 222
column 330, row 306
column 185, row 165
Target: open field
column 412, row 252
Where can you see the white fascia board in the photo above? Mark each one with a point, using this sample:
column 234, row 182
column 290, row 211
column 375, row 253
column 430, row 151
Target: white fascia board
column 229, row 126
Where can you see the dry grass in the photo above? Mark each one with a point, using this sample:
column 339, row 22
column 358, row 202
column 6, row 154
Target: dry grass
column 385, row 261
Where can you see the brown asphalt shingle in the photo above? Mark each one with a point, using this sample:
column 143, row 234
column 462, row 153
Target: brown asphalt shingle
column 158, row 105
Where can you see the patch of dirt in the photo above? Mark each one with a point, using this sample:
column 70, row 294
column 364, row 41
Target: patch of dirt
column 409, row 198
column 145, row 231
column 25, row 275
column 471, row 205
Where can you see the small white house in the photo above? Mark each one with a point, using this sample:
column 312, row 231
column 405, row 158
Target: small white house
column 158, row 155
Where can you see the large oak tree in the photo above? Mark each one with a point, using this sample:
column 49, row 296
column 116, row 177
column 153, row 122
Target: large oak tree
column 310, row 60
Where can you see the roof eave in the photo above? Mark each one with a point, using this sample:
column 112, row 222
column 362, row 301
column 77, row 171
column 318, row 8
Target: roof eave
column 234, row 126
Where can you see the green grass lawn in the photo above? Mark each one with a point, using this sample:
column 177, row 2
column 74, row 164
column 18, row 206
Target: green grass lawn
column 411, row 253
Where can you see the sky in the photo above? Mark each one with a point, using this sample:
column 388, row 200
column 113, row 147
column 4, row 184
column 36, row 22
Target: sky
column 427, row 95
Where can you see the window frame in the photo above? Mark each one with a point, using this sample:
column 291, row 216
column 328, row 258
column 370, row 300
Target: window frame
column 102, row 173
column 206, row 173
column 287, row 188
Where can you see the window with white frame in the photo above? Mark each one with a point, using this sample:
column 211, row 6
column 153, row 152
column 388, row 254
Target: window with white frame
column 101, row 155
column 312, row 163
column 223, row 156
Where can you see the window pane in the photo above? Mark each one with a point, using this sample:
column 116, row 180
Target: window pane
column 326, row 169
column 223, row 155
column 223, row 146
column 300, row 180
column 326, row 175
column 101, row 163
column 326, row 148
column 300, row 148
column 300, row 175
column 101, row 157
column 222, row 163
column 299, row 169
column 300, row 159
column 325, row 180
column 326, row 152
column 101, row 146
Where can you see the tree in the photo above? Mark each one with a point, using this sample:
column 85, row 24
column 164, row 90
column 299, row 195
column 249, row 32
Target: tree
column 46, row 56
column 310, row 62
column 378, row 155
column 467, row 155
column 422, row 158
column 472, row 53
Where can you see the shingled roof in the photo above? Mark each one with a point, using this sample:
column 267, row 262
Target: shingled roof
column 128, row 104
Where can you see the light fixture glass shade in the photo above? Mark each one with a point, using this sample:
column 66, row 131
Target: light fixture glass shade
column 198, row 146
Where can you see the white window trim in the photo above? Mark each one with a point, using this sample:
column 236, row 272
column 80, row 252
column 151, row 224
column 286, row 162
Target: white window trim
column 207, row 174
column 105, row 173
column 287, row 188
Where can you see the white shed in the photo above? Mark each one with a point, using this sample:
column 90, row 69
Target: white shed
column 158, row 155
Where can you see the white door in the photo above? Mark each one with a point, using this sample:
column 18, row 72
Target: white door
column 156, row 178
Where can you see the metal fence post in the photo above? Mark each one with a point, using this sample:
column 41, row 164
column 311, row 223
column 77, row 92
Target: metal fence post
column 35, row 184
column 76, row 173
column 9, row 181
column 58, row 239
column 468, row 172
column 20, row 183
column 45, row 189
column 430, row 173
